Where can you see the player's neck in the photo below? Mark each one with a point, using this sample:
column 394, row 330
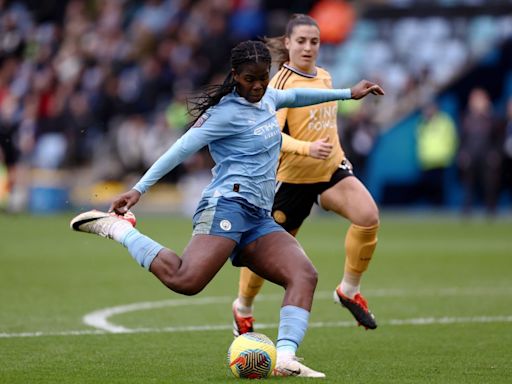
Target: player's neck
column 308, row 72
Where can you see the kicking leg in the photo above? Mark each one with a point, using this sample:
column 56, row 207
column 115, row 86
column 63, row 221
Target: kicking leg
column 202, row 259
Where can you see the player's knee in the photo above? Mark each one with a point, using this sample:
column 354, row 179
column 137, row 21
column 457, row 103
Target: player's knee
column 307, row 275
column 368, row 218
column 190, row 290
column 188, row 286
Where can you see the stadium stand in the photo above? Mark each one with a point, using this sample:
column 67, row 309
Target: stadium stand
column 98, row 88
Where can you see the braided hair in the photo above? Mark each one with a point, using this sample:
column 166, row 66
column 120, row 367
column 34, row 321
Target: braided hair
column 247, row 52
column 280, row 54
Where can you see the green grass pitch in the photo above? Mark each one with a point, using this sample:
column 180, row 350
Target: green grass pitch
column 441, row 289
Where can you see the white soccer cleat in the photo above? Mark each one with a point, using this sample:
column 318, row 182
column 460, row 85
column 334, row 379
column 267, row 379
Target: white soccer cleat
column 101, row 223
column 292, row 367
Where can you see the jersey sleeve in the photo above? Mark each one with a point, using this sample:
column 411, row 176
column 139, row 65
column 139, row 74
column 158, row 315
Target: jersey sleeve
column 206, row 130
column 292, row 145
column 301, row 97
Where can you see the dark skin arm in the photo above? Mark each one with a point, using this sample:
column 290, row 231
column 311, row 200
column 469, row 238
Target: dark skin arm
column 124, row 202
column 365, row 87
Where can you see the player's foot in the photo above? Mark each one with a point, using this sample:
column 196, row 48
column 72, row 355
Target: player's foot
column 292, row 367
column 102, row 223
column 358, row 307
column 241, row 324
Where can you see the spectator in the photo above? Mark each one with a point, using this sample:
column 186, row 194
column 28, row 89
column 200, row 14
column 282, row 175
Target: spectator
column 358, row 134
column 436, row 148
column 507, row 147
column 479, row 157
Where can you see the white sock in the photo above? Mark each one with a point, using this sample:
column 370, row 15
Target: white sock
column 242, row 309
column 350, row 285
column 284, row 355
column 119, row 230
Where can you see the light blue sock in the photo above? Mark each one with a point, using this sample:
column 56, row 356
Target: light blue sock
column 142, row 248
column 293, row 323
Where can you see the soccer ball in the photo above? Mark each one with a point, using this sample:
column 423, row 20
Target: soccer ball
column 252, row 356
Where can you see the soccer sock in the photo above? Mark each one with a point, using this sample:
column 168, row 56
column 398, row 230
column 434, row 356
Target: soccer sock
column 350, row 285
column 360, row 243
column 141, row 248
column 119, row 230
column 293, row 323
column 241, row 309
column 249, row 286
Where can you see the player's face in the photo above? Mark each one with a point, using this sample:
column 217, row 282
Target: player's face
column 303, row 45
column 252, row 81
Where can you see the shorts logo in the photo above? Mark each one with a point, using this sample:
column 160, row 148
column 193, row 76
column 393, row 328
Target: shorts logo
column 279, row 217
column 225, row 225
column 346, row 165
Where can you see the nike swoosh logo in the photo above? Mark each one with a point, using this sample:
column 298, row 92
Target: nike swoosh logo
column 292, row 372
column 77, row 224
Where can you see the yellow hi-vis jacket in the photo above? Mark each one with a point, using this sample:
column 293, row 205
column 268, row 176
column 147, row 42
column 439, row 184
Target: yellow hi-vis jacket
column 437, row 142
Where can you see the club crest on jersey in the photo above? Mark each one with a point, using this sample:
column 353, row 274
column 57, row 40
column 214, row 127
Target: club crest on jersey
column 200, row 121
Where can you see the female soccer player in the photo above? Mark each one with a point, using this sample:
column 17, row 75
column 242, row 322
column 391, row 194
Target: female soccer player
column 312, row 168
column 237, row 121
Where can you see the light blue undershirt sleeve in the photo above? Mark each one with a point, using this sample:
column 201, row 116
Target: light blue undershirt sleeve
column 191, row 142
column 301, row 97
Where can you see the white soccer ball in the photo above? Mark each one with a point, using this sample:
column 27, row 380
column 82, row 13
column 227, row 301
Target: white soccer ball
column 252, row 356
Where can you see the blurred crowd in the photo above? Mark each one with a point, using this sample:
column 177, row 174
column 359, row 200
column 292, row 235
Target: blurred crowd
column 106, row 81
column 99, row 87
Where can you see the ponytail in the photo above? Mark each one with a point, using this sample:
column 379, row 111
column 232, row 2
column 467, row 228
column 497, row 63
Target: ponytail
column 209, row 97
column 280, row 54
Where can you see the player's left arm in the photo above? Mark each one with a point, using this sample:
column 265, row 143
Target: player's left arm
column 301, row 97
column 290, row 144
column 319, row 149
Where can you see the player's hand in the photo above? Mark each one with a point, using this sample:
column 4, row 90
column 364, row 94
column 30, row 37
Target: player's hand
column 124, row 202
column 363, row 88
column 320, row 149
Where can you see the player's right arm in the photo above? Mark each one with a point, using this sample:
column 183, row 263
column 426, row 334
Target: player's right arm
column 191, row 142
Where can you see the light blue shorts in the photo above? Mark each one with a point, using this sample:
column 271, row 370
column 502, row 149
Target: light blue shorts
column 234, row 218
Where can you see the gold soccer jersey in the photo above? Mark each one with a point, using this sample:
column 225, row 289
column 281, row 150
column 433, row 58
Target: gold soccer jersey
column 306, row 124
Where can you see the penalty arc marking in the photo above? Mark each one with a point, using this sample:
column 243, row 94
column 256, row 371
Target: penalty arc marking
column 99, row 320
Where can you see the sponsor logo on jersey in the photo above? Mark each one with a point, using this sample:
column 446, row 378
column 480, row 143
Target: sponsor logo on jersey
column 267, row 130
column 322, row 118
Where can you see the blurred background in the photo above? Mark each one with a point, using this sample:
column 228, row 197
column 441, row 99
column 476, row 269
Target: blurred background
column 92, row 92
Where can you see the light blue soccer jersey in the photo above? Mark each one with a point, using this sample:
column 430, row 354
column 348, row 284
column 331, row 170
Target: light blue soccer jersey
column 244, row 140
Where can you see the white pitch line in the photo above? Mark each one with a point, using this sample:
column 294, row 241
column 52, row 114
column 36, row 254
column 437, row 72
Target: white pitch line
column 260, row 326
column 99, row 319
